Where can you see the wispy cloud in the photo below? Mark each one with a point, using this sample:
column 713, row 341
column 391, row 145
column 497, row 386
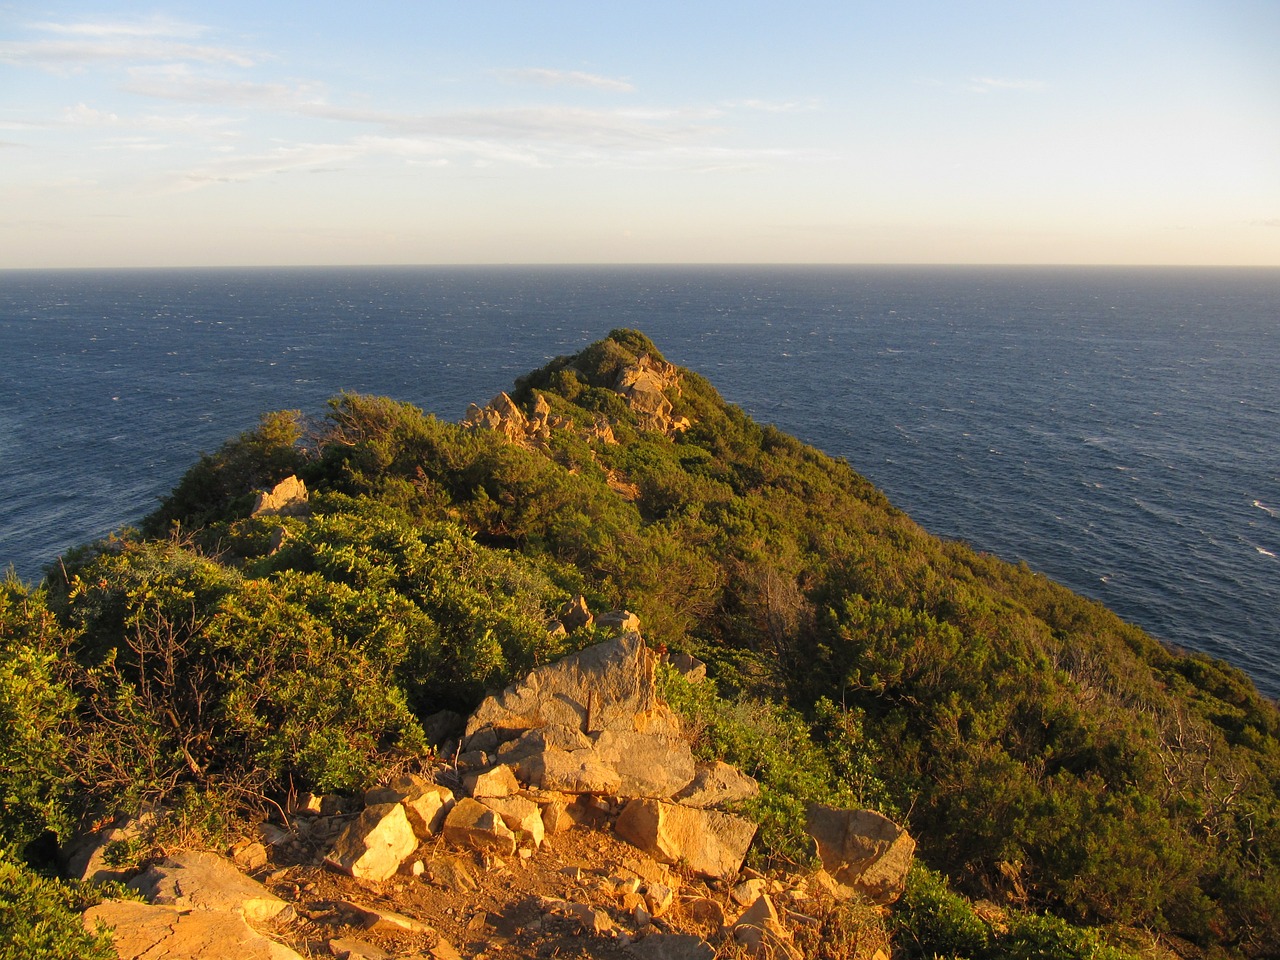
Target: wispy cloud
column 179, row 82
column 566, row 78
column 1270, row 222
column 76, row 46
column 153, row 27
column 777, row 106
column 996, row 84
column 84, row 115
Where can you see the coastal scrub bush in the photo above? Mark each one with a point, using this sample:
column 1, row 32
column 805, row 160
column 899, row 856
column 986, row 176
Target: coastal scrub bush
column 35, row 706
column 40, row 918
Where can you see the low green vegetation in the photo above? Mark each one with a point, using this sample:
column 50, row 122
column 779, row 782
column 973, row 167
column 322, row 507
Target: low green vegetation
column 1048, row 757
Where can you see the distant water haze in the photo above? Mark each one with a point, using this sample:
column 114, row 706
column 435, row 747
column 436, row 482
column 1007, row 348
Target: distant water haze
column 1114, row 428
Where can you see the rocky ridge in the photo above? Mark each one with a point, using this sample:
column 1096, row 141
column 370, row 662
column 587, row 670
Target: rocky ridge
column 571, row 819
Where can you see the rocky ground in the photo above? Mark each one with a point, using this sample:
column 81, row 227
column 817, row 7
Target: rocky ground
column 571, row 821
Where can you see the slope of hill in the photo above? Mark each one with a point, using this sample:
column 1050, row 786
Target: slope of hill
column 1048, row 756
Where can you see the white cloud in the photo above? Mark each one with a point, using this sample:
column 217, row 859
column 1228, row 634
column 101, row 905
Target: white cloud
column 567, row 78
column 84, row 115
column 777, row 106
column 177, row 82
column 79, row 45
column 992, row 84
column 71, row 54
column 155, row 27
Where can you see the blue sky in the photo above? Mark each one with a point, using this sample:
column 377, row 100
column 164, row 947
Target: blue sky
column 553, row 132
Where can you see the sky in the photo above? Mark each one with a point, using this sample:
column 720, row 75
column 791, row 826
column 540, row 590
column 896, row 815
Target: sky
column 540, row 131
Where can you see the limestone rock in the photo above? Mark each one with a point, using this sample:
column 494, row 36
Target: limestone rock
column 471, row 824
column 709, row 842
column 570, row 771
column 498, row 782
column 352, row 948
column 373, row 846
column 575, row 614
column 145, row 931
column 521, row 815
column 381, row 920
column 454, row 873
column 608, row 685
column 659, row 897
column 623, row 621
column 717, row 783
column 537, row 741
column 864, row 852
column 643, row 385
column 248, row 855
column 749, row 891
column 555, row 813
column 197, row 880
column 648, row 764
column 286, row 498
column 427, row 810
column 83, row 857
column 689, row 667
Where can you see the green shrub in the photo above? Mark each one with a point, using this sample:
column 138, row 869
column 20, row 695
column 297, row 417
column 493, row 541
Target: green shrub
column 40, row 918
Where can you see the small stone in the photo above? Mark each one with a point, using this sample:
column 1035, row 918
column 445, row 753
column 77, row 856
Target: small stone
column 659, row 897
column 248, row 855
column 748, row 892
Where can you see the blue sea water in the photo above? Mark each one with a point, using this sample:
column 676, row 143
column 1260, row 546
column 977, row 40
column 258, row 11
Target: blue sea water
column 1114, row 428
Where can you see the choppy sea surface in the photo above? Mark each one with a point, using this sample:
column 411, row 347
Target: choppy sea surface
column 1117, row 429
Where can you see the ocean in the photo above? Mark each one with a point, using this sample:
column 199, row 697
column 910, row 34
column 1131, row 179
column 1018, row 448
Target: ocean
column 1113, row 428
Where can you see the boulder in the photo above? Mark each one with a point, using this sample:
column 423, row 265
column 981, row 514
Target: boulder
column 717, row 783
column 710, row 843
column 198, row 880
column 471, row 824
column 373, row 846
column 609, row 685
column 145, row 931
column 286, row 498
column 426, row 811
column 866, row 854
column 498, row 782
column 84, row 857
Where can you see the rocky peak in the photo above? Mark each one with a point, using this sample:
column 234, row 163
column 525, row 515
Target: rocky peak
column 644, row 385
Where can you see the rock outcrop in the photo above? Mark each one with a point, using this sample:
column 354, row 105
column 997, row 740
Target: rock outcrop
column 286, row 498
column 644, row 385
column 592, row 724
